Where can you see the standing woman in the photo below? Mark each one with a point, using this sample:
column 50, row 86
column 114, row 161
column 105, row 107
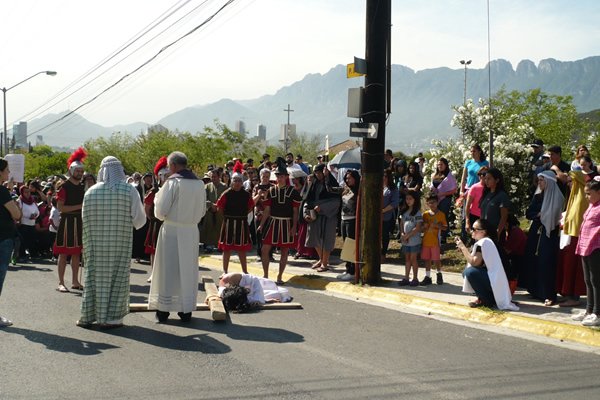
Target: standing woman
column 320, row 212
column 472, row 210
column 443, row 184
column 226, row 178
column 472, row 167
column 161, row 171
column 302, row 185
column 391, row 201
column 413, row 180
column 27, row 230
column 349, row 202
column 495, row 204
column 9, row 213
column 543, row 239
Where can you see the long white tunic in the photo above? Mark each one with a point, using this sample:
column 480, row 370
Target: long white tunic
column 181, row 204
column 496, row 273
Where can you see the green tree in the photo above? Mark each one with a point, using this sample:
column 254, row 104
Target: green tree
column 42, row 162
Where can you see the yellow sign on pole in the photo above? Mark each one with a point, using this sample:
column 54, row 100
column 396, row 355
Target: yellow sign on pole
column 351, row 73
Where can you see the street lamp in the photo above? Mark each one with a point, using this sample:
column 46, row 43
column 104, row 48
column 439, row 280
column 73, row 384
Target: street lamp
column 4, row 138
column 465, row 63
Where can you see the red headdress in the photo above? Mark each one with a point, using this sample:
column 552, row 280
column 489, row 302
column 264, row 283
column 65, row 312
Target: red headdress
column 237, row 170
column 76, row 159
column 160, row 164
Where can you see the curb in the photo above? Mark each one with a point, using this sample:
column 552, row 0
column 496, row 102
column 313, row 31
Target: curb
column 550, row 329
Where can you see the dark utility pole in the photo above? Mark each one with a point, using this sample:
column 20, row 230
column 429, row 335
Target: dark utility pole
column 374, row 111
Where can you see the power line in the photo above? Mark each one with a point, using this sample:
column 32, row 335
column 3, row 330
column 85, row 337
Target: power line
column 166, row 14
column 206, row 21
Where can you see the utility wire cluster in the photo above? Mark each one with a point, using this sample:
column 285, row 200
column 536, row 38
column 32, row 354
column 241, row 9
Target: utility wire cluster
column 124, row 53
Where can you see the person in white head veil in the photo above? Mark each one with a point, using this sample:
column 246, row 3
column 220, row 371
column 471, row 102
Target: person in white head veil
column 111, row 209
column 539, row 277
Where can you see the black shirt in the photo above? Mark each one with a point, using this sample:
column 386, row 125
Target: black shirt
column 8, row 229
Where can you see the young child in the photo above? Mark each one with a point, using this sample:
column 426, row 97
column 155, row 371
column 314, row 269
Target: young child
column 588, row 247
column 410, row 237
column 434, row 221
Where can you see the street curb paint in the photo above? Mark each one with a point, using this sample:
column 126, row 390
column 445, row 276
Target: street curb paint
column 537, row 326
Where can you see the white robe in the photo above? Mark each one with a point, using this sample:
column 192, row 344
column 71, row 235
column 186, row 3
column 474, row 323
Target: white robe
column 496, row 273
column 262, row 290
column 181, row 204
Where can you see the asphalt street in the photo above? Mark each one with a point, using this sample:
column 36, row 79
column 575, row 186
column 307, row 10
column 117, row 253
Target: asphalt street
column 331, row 349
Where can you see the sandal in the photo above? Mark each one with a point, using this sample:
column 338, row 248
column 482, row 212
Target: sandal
column 62, row 289
column 569, row 303
column 475, row 303
column 316, row 265
column 280, row 282
column 77, row 287
column 323, row 269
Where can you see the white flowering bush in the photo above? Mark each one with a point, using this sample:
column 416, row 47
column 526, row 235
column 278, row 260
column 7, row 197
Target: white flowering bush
column 512, row 136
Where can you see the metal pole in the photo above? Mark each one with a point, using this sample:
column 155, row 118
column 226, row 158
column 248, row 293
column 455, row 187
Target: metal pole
column 490, row 89
column 4, row 90
column 4, row 147
column 371, row 187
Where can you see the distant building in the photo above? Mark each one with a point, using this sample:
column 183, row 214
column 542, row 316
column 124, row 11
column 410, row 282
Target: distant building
column 20, row 135
column 39, row 140
column 156, row 129
column 345, row 145
column 261, row 132
column 240, row 126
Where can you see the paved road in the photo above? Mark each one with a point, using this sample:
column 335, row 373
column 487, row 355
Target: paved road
column 332, row 349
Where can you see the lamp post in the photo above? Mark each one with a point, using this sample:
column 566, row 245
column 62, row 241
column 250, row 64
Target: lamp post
column 4, row 138
column 465, row 63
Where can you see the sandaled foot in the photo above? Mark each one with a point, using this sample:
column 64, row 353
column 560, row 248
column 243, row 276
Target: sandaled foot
column 475, row 303
column 62, row 289
column 316, row 265
column 85, row 325
column 279, row 282
column 77, row 287
column 569, row 303
column 323, row 269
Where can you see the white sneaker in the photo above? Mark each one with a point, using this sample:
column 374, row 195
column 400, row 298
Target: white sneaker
column 346, row 277
column 591, row 320
column 580, row 316
column 4, row 322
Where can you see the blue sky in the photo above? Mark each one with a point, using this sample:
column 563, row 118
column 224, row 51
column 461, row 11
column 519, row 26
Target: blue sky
column 257, row 46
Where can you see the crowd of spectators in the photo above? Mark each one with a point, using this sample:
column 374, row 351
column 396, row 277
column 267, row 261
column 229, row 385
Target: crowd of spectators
column 547, row 261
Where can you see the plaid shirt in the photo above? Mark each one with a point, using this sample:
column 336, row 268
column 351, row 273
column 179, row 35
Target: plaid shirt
column 589, row 236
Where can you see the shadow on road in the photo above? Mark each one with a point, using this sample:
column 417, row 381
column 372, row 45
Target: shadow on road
column 62, row 343
column 247, row 333
column 28, row 267
column 200, row 342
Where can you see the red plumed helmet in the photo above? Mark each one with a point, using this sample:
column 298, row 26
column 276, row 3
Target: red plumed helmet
column 78, row 156
column 238, row 167
column 160, row 164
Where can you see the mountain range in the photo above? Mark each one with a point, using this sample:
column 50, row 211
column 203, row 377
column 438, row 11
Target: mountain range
column 421, row 103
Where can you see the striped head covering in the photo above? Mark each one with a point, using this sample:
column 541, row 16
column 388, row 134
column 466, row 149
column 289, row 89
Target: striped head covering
column 111, row 171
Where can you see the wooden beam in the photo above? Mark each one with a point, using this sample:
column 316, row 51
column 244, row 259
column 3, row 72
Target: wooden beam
column 143, row 307
column 215, row 304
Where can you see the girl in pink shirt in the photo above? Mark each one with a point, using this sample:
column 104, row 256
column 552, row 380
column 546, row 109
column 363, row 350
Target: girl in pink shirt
column 588, row 247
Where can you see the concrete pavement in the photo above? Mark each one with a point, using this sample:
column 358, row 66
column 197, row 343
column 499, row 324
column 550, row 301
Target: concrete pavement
column 445, row 300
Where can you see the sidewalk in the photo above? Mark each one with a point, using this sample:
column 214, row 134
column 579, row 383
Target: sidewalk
column 446, row 300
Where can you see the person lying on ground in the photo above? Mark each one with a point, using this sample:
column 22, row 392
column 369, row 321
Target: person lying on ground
column 244, row 292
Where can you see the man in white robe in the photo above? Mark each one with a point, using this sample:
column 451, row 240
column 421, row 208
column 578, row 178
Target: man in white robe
column 180, row 204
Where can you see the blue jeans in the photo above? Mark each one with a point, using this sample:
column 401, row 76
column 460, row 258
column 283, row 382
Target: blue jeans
column 480, row 282
column 6, row 248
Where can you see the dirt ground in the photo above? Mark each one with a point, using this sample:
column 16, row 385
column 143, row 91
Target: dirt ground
column 452, row 259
